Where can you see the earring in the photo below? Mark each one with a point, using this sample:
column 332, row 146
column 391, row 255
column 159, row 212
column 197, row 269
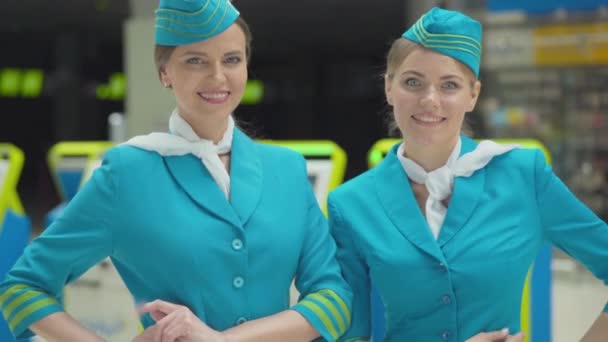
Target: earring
column 167, row 85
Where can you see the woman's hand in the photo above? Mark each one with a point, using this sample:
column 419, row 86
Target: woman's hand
column 176, row 323
column 497, row 336
column 148, row 335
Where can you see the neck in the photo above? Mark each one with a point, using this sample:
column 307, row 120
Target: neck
column 208, row 128
column 211, row 131
column 429, row 157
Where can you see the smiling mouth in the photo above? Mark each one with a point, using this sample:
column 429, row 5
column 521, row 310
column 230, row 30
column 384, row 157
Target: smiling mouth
column 215, row 97
column 428, row 120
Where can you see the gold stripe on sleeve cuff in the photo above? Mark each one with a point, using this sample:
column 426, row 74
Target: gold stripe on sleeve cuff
column 331, row 307
column 322, row 315
column 22, row 298
column 30, row 309
column 340, row 302
column 11, row 291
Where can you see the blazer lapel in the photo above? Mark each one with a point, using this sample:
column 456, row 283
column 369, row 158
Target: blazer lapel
column 397, row 198
column 466, row 195
column 245, row 176
column 190, row 173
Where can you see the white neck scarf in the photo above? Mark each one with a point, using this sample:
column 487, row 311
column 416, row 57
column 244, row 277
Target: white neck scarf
column 440, row 182
column 185, row 141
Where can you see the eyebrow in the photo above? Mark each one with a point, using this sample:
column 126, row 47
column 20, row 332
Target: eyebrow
column 416, row 73
column 203, row 54
column 447, row 77
column 232, row 53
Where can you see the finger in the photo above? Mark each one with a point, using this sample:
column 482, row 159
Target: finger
column 182, row 325
column 156, row 315
column 178, row 330
column 498, row 335
column 158, row 309
column 147, row 335
column 160, row 305
column 162, row 326
column 179, row 326
column 517, row 337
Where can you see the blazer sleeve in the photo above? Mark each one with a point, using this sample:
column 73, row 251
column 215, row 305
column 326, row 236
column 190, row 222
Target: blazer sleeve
column 355, row 272
column 568, row 223
column 77, row 240
column 325, row 298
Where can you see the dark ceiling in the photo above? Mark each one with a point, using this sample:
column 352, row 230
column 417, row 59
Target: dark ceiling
column 101, row 16
column 311, row 26
column 317, row 26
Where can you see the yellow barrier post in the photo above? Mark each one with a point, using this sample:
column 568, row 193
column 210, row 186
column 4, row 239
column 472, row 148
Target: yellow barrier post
column 12, row 159
column 86, row 150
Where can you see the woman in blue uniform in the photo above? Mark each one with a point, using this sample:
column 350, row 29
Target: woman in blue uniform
column 204, row 225
column 446, row 228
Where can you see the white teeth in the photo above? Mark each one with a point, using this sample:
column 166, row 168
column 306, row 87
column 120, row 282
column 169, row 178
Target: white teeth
column 214, row 96
column 428, row 119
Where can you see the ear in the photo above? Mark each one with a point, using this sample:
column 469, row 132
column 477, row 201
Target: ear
column 476, row 89
column 164, row 77
column 388, row 84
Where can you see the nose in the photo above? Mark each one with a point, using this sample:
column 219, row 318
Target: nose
column 217, row 72
column 430, row 98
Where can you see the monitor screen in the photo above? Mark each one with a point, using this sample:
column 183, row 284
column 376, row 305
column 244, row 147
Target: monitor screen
column 319, row 174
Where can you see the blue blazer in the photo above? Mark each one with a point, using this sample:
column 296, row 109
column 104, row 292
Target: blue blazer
column 471, row 278
column 172, row 235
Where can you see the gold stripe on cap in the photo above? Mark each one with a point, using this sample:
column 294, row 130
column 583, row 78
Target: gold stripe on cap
column 453, row 48
column 183, row 13
column 192, row 35
column 425, row 33
column 181, row 23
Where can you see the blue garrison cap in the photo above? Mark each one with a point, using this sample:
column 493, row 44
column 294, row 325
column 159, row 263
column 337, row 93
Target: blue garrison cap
column 450, row 33
column 182, row 22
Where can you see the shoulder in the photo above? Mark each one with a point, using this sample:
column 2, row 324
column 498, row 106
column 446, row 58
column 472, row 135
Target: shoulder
column 280, row 156
column 130, row 158
column 277, row 151
column 519, row 159
column 519, row 168
column 357, row 189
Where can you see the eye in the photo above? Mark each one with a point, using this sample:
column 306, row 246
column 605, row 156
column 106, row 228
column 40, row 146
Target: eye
column 412, row 82
column 194, row 60
column 451, row 85
column 233, row 60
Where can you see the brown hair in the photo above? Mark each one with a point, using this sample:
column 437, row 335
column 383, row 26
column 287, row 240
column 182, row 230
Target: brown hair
column 162, row 53
column 400, row 49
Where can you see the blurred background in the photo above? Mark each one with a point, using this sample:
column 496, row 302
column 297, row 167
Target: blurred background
column 66, row 66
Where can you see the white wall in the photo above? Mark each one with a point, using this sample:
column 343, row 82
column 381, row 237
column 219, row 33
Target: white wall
column 148, row 105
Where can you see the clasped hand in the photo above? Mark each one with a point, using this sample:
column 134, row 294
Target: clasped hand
column 175, row 323
column 497, row 336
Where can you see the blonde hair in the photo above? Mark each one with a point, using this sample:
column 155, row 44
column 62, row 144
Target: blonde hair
column 399, row 51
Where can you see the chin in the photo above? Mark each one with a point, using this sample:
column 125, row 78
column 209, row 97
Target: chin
column 419, row 138
column 426, row 138
column 421, row 141
column 218, row 113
